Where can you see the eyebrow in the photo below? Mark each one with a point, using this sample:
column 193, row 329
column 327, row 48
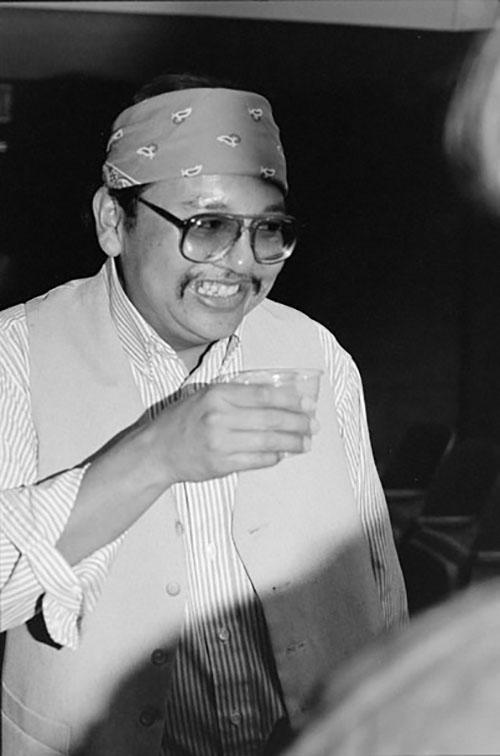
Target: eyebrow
column 200, row 203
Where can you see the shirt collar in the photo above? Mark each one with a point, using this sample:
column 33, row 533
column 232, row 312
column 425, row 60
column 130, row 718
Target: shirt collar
column 139, row 340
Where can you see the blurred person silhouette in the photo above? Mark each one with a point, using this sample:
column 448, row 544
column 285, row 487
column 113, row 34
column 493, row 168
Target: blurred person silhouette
column 180, row 565
column 433, row 688
column 472, row 129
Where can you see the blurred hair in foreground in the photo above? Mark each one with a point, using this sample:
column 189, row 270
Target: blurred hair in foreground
column 431, row 689
column 472, row 129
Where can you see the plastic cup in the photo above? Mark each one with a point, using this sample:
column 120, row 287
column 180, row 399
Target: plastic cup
column 305, row 381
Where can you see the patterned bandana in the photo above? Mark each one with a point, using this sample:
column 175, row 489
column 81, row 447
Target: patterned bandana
column 194, row 132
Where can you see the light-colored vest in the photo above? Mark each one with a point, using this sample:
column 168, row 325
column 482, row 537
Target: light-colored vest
column 295, row 526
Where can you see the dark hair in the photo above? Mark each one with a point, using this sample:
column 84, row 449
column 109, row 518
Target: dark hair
column 127, row 200
column 172, row 82
column 167, row 82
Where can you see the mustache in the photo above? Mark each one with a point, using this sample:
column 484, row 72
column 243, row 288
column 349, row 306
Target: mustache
column 230, row 279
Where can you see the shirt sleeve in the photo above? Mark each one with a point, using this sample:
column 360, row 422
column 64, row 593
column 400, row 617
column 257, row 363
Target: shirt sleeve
column 34, row 576
column 351, row 412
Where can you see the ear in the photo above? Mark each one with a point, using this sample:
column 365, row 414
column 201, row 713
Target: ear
column 108, row 222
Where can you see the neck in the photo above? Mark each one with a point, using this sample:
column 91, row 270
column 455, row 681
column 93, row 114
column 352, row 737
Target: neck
column 193, row 357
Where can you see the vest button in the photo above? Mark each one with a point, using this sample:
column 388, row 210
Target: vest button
column 159, row 656
column 179, row 528
column 149, row 716
column 235, row 718
column 173, row 588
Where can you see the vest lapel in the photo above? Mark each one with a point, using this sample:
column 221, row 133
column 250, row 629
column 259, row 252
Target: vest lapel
column 86, row 379
column 298, row 532
column 83, row 394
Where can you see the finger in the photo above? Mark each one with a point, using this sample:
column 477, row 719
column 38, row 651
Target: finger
column 269, row 419
column 263, row 442
column 245, row 461
column 263, row 395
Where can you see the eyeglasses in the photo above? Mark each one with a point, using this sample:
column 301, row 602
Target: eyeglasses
column 210, row 236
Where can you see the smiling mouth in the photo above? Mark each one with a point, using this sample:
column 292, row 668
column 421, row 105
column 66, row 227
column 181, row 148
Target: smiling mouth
column 217, row 289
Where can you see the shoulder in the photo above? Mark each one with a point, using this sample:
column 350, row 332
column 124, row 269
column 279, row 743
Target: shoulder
column 284, row 332
column 71, row 291
column 16, row 322
column 75, row 310
column 289, row 318
column 13, row 328
column 302, row 333
column 12, row 319
column 280, row 313
column 340, row 360
column 14, row 358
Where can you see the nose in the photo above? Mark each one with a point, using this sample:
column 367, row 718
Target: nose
column 240, row 255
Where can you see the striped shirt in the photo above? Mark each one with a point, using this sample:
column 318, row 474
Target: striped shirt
column 225, row 697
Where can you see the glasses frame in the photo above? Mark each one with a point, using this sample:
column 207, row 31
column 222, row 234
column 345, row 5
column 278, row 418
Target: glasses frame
column 251, row 225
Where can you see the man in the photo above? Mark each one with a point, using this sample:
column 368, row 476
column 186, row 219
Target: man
column 178, row 575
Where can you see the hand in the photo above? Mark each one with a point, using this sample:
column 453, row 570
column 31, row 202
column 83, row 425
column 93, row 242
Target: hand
column 225, row 428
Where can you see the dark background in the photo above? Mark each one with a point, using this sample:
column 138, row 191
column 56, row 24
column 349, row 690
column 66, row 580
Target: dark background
column 400, row 266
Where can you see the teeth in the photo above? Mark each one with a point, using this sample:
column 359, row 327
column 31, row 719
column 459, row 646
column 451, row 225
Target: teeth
column 213, row 289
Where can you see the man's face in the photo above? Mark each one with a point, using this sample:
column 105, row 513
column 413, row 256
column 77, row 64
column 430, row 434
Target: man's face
column 191, row 305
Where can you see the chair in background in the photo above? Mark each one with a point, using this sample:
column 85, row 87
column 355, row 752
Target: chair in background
column 414, row 461
column 463, row 480
column 437, row 548
column 411, row 469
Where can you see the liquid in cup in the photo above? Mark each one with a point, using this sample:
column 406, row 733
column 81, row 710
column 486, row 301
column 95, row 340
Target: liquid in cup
column 305, row 381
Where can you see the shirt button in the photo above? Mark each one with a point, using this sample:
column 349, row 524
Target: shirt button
column 224, row 634
column 235, row 718
column 149, row 716
column 179, row 528
column 173, row 589
column 159, row 656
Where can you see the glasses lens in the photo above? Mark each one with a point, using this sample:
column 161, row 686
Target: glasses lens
column 274, row 239
column 207, row 236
